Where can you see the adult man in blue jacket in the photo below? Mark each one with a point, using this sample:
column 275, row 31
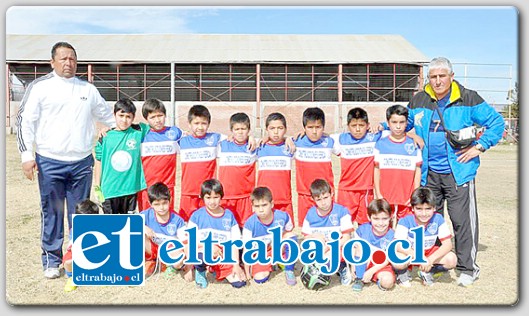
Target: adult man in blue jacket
column 448, row 171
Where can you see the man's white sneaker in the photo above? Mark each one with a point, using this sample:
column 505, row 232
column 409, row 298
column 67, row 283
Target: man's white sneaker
column 465, row 280
column 52, row 273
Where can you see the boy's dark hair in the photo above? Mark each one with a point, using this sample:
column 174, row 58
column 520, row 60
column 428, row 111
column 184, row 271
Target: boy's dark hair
column 276, row 116
column 211, row 186
column 86, row 207
column 261, row 193
column 152, row 105
column 241, row 118
column 422, row 195
column 398, row 110
column 378, row 206
column 125, row 105
column 59, row 45
column 158, row 191
column 313, row 114
column 358, row 114
column 319, row 187
column 198, row 110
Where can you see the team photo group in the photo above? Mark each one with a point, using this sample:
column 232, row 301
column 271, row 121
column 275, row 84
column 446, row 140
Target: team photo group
column 416, row 169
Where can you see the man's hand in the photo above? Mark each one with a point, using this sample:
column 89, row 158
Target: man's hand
column 29, row 168
column 102, row 132
column 467, row 154
column 419, row 142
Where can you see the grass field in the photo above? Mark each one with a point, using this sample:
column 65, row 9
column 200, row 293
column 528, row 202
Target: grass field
column 498, row 257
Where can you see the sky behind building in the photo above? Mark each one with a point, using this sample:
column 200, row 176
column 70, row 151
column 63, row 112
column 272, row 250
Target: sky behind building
column 466, row 35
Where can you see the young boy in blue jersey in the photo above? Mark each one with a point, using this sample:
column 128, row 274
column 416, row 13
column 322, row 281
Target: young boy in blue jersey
column 162, row 224
column 437, row 239
column 325, row 218
column 222, row 225
column 118, row 172
column 378, row 234
column 84, row 207
column 256, row 227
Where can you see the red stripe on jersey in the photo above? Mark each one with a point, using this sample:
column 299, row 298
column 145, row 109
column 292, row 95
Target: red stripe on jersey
column 238, row 181
column 159, row 168
column 356, row 174
column 194, row 173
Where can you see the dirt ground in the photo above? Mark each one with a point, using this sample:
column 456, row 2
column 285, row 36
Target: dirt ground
column 498, row 257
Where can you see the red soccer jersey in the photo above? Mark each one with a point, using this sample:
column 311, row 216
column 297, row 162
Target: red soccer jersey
column 397, row 163
column 198, row 157
column 236, row 169
column 275, row 171
column 357, row 160
column 158, row 155
column 313, row 161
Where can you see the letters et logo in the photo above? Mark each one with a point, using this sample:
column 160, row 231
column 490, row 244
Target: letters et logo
column 108, row 249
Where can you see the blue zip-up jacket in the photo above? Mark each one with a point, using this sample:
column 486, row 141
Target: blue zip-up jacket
column 465, row 108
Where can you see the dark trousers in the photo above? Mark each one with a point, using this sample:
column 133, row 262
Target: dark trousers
column 121, row 204
column 60, row 181
column 462, row 209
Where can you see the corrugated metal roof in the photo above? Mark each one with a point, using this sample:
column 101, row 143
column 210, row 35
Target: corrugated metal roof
column 219, row 48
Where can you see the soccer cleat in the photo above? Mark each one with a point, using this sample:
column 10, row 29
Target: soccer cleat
column 169, row 272
column 438, row 271
column 290, row 277
column 69, row 286
column 465, row 280
column 427, row 278
column 345, row 276
column 403, row 278
column 52, row 273
column 358, row 285
column 200, row 279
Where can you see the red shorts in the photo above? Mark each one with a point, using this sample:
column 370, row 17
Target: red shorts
column 402, row 210
column 67, row 256
column 189, row 204
column 286, row 207
column 143, row 200
column 387, row 268
column 356, row 202
column 256, row 267
column 305, row 202
column 241, row 208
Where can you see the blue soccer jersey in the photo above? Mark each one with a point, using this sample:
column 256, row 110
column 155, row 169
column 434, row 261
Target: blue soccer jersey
column 365, row 232
column 337, row 220
column 274, row 171
column 174, row 228
column 255, row 229
column 222, row 227
column 435, row 229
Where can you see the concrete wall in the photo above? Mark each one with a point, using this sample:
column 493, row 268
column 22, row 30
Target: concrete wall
column 335, row 114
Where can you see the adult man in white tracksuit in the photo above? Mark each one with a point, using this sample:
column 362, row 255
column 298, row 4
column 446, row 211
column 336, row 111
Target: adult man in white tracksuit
column 57, row 114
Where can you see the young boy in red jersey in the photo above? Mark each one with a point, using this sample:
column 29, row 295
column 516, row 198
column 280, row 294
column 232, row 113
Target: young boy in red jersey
column 356, row 151
column 158, row 151
column 313, row 158
column 397, row 164
column 198, row 156
column 274, row 161
column 236, row 168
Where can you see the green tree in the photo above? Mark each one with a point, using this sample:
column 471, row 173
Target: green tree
column 513, row 97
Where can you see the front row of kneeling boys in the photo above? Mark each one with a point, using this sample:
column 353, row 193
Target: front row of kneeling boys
column 322, row 219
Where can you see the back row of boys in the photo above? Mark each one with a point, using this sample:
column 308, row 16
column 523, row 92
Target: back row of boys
column 131, row 157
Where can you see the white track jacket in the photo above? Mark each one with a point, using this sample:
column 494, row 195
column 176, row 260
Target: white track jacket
column 58, row 115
